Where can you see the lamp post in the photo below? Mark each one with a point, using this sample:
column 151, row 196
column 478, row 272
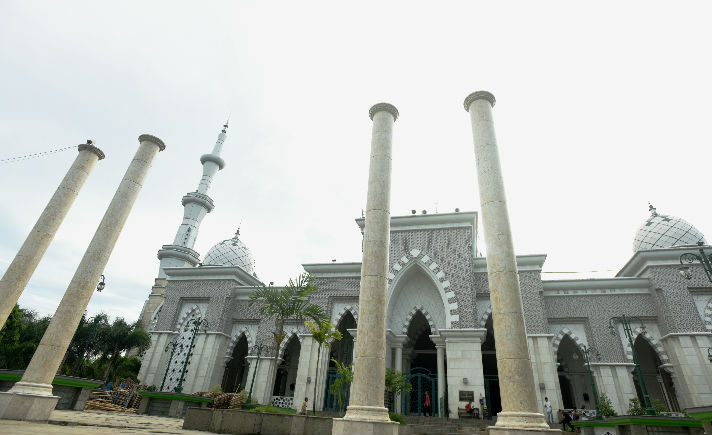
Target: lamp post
column 586, row 356
column 709, row 354
column 625, row 321
column 689, row 258
column 260, row 347
column 197, row 323
column 172, row 345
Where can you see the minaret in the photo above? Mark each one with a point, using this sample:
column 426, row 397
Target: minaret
column 196, row 205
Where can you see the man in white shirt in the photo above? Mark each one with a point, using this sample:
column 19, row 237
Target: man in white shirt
column 548, row 411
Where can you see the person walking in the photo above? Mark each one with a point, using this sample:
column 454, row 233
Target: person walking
column 304, row 406
column 548, row 411
column 566, row 421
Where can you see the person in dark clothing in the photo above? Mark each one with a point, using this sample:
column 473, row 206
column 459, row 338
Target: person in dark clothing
column 566, row 420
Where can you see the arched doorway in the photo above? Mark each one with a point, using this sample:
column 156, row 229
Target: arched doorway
column 573, row 376
column 658, row 381
column 236, row 369
column 422, row 368
column 287, row 371
column 341, row 351
column 489, row 368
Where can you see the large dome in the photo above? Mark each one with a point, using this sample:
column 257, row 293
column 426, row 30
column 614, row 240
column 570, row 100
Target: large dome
column 231, row 252
column 661, row 231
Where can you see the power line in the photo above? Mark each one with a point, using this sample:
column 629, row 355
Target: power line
column 35, row 155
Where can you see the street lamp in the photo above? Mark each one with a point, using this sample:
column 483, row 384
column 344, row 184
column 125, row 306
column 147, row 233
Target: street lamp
column 260, row 348
column 709, row 354
column 197, row 323
column 587, row 359
column 625, row 321
column 101, row 285
column 689, row 258
column 172, row 345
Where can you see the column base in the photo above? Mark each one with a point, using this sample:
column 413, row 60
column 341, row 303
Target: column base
column 26, row 406
column 366, row 420
column 511, row 423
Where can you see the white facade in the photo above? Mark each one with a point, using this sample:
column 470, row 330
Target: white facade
column 439, row 326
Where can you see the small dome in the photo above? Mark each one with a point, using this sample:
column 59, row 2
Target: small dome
column 661, row 231
column 231, row 252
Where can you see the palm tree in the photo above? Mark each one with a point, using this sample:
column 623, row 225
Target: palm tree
column 344, row 377
column 321, row 333
column 288, row 303
column 119, row 338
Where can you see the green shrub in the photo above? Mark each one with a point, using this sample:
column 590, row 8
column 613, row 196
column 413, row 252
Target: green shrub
column 634, row 407
column 606, row 406
column 151, row 388
column 396, row 417
column 659, row 406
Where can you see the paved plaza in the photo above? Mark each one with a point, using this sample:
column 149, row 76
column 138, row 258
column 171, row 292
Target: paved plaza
column 97, row 422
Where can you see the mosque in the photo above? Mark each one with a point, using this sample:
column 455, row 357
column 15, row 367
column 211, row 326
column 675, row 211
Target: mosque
column 439, row 319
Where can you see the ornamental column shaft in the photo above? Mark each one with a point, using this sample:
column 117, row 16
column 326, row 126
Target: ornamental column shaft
column 28, row 257
column 33, row 394
column 440, row 348
column 366, row 413
column 516, row 378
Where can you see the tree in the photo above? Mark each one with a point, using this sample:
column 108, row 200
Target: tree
column 344, row 376
column 288, row 303
column 321, row 333
column 119, row 338
column 606, row 406
column 397, row 383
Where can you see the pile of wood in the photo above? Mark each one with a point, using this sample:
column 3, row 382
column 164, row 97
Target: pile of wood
column 121, row 398
column 225, row 400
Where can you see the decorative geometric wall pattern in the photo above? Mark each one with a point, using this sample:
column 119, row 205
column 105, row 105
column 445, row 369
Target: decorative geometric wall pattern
column 708, row 316
column 340, row 310
column 659, row 349
column 451, row 309
column 566, row 331
column 243, row 330
column 412, row 313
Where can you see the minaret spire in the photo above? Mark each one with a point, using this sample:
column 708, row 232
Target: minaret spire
column 196, row 205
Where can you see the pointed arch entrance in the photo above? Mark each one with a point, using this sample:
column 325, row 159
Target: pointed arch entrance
column 421, row 367
column 493, row 399
column 235, row 376
column 573, row 375
column 341, row 351
column 284, row 384
column 658, row 381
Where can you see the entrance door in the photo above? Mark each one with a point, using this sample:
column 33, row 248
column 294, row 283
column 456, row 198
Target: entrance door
column 421, row 380
column 492, row 397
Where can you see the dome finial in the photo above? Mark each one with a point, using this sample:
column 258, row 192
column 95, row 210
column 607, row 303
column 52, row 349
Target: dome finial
column 652, row 209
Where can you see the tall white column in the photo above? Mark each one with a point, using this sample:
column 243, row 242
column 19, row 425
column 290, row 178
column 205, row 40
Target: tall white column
column 441, row 379
column 31, row 252
column 399, row 367
column 31, row 398
column 516, row 378
column 366, row 413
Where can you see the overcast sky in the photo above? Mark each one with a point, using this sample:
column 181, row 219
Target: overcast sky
column 599, row 110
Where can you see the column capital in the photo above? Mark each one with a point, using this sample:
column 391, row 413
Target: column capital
column 89, row 146
column 154, row 139
column 383, row 107
column 479, row 95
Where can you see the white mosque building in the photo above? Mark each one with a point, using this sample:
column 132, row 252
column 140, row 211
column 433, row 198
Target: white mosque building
column 439, row 318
